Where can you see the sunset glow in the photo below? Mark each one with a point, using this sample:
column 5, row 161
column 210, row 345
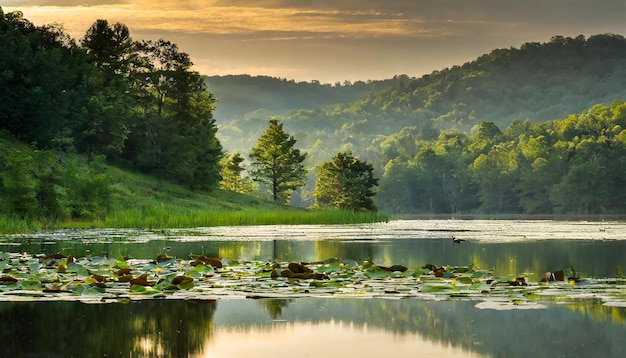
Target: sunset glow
column 349, row 40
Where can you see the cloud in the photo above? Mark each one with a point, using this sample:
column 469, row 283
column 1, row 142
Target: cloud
column 62, row 3
column 326, row 18
column 256, row 22
column 325, row 39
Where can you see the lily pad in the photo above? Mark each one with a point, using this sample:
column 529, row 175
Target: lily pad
column 28, row 277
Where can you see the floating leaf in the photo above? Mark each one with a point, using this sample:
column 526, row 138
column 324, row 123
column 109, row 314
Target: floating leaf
column 142, row 280
column 8, row 279
column 91, row 279
column 78, row 269
column 182, row 280
column 464, row 280
column 121, row 264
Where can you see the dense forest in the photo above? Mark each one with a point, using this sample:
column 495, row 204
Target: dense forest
column 530, row 87
column 572, row 165
column 240, row 95
column 539, row 129
column 108, row 98
column 539, row 81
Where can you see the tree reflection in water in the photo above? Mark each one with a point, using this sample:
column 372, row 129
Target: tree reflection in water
column 73, row 329
column 169, row 328
column 576, row 327
column 583, row 328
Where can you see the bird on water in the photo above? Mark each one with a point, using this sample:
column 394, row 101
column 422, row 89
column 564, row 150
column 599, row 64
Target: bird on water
column 456, row 240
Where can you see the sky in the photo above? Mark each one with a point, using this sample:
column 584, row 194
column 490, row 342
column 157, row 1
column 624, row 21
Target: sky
column 334, row 40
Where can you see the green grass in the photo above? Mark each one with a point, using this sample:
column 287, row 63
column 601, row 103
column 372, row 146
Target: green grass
column 12, row 224
column 136, row 204
column 162, row 217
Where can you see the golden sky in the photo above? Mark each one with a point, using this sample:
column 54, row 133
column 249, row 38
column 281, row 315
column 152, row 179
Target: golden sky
column 332, row 40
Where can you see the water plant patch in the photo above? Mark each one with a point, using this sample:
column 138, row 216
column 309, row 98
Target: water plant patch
column 30, row 277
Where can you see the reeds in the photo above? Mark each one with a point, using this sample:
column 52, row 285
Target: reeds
column 10, row 224
column 135, row 204
column 162, row 217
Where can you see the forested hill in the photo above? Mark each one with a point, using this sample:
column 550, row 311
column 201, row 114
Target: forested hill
column 539, row 81
column 539, row 129
column 242, row 94
column 535, row 129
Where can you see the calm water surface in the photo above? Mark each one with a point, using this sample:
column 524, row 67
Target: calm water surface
column 312, row 327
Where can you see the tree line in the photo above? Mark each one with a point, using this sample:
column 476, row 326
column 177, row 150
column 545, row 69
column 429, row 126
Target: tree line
column 113, row 100
column 540, row 81
column 571, row 165
column 343, row 182
column 137, row 103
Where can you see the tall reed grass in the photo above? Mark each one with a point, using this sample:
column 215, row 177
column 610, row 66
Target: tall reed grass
column 10, row 224
column 163, row 217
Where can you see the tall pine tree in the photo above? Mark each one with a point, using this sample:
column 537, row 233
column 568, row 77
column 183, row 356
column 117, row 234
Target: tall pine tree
column 277, row 163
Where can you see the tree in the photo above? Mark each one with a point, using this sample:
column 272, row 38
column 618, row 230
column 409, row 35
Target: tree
column 397, row 192
column 231, row 174
column 111, row 51
column 345, row 182
column 496, row 174
column 41, row 85
column 175, row 136
column 110, row 48
column 277, row 163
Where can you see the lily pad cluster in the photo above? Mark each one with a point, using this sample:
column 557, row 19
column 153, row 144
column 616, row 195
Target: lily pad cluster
column 101, row 279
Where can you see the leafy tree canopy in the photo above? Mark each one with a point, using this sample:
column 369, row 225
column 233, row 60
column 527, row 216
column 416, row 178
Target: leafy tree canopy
column 276, row 162
column 345, row 182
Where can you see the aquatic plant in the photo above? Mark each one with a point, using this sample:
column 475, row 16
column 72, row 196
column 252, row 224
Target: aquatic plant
column 164, row 217
column 103, row 279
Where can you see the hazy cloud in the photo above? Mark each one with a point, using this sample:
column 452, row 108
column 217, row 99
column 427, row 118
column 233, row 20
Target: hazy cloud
column 62, row 2
column 335, row 40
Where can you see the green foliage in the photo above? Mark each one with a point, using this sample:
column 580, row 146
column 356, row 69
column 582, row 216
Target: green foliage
column 18, row 185
column 89, row 189
column 41, row 185
column 573, row 165
column 277, row 163
column 52, row 193
column 137, row 103
column 231, row 174
column 345, row 182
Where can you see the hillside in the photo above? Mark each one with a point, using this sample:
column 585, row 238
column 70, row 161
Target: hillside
column 534, row 130
column 74, row 113
column 538, row 81
column 239, row 95
column 519, row 130
column 47, row 190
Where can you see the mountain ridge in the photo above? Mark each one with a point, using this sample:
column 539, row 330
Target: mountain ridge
column 538, row 81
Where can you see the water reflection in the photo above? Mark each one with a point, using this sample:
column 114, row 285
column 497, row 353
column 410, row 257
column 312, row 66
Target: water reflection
column 332, row 339
column 309, row 327
column 71, row 329
column 413, row 327
column 507, row 247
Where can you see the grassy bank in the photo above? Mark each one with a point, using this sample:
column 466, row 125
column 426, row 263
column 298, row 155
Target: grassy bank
column 134, row 203
column 162, row 217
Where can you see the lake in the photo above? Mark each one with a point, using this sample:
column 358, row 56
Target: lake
column 557, row 323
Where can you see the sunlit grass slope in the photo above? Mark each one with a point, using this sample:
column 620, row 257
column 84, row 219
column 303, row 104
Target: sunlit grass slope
column 175, row 207
column 136, row 204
